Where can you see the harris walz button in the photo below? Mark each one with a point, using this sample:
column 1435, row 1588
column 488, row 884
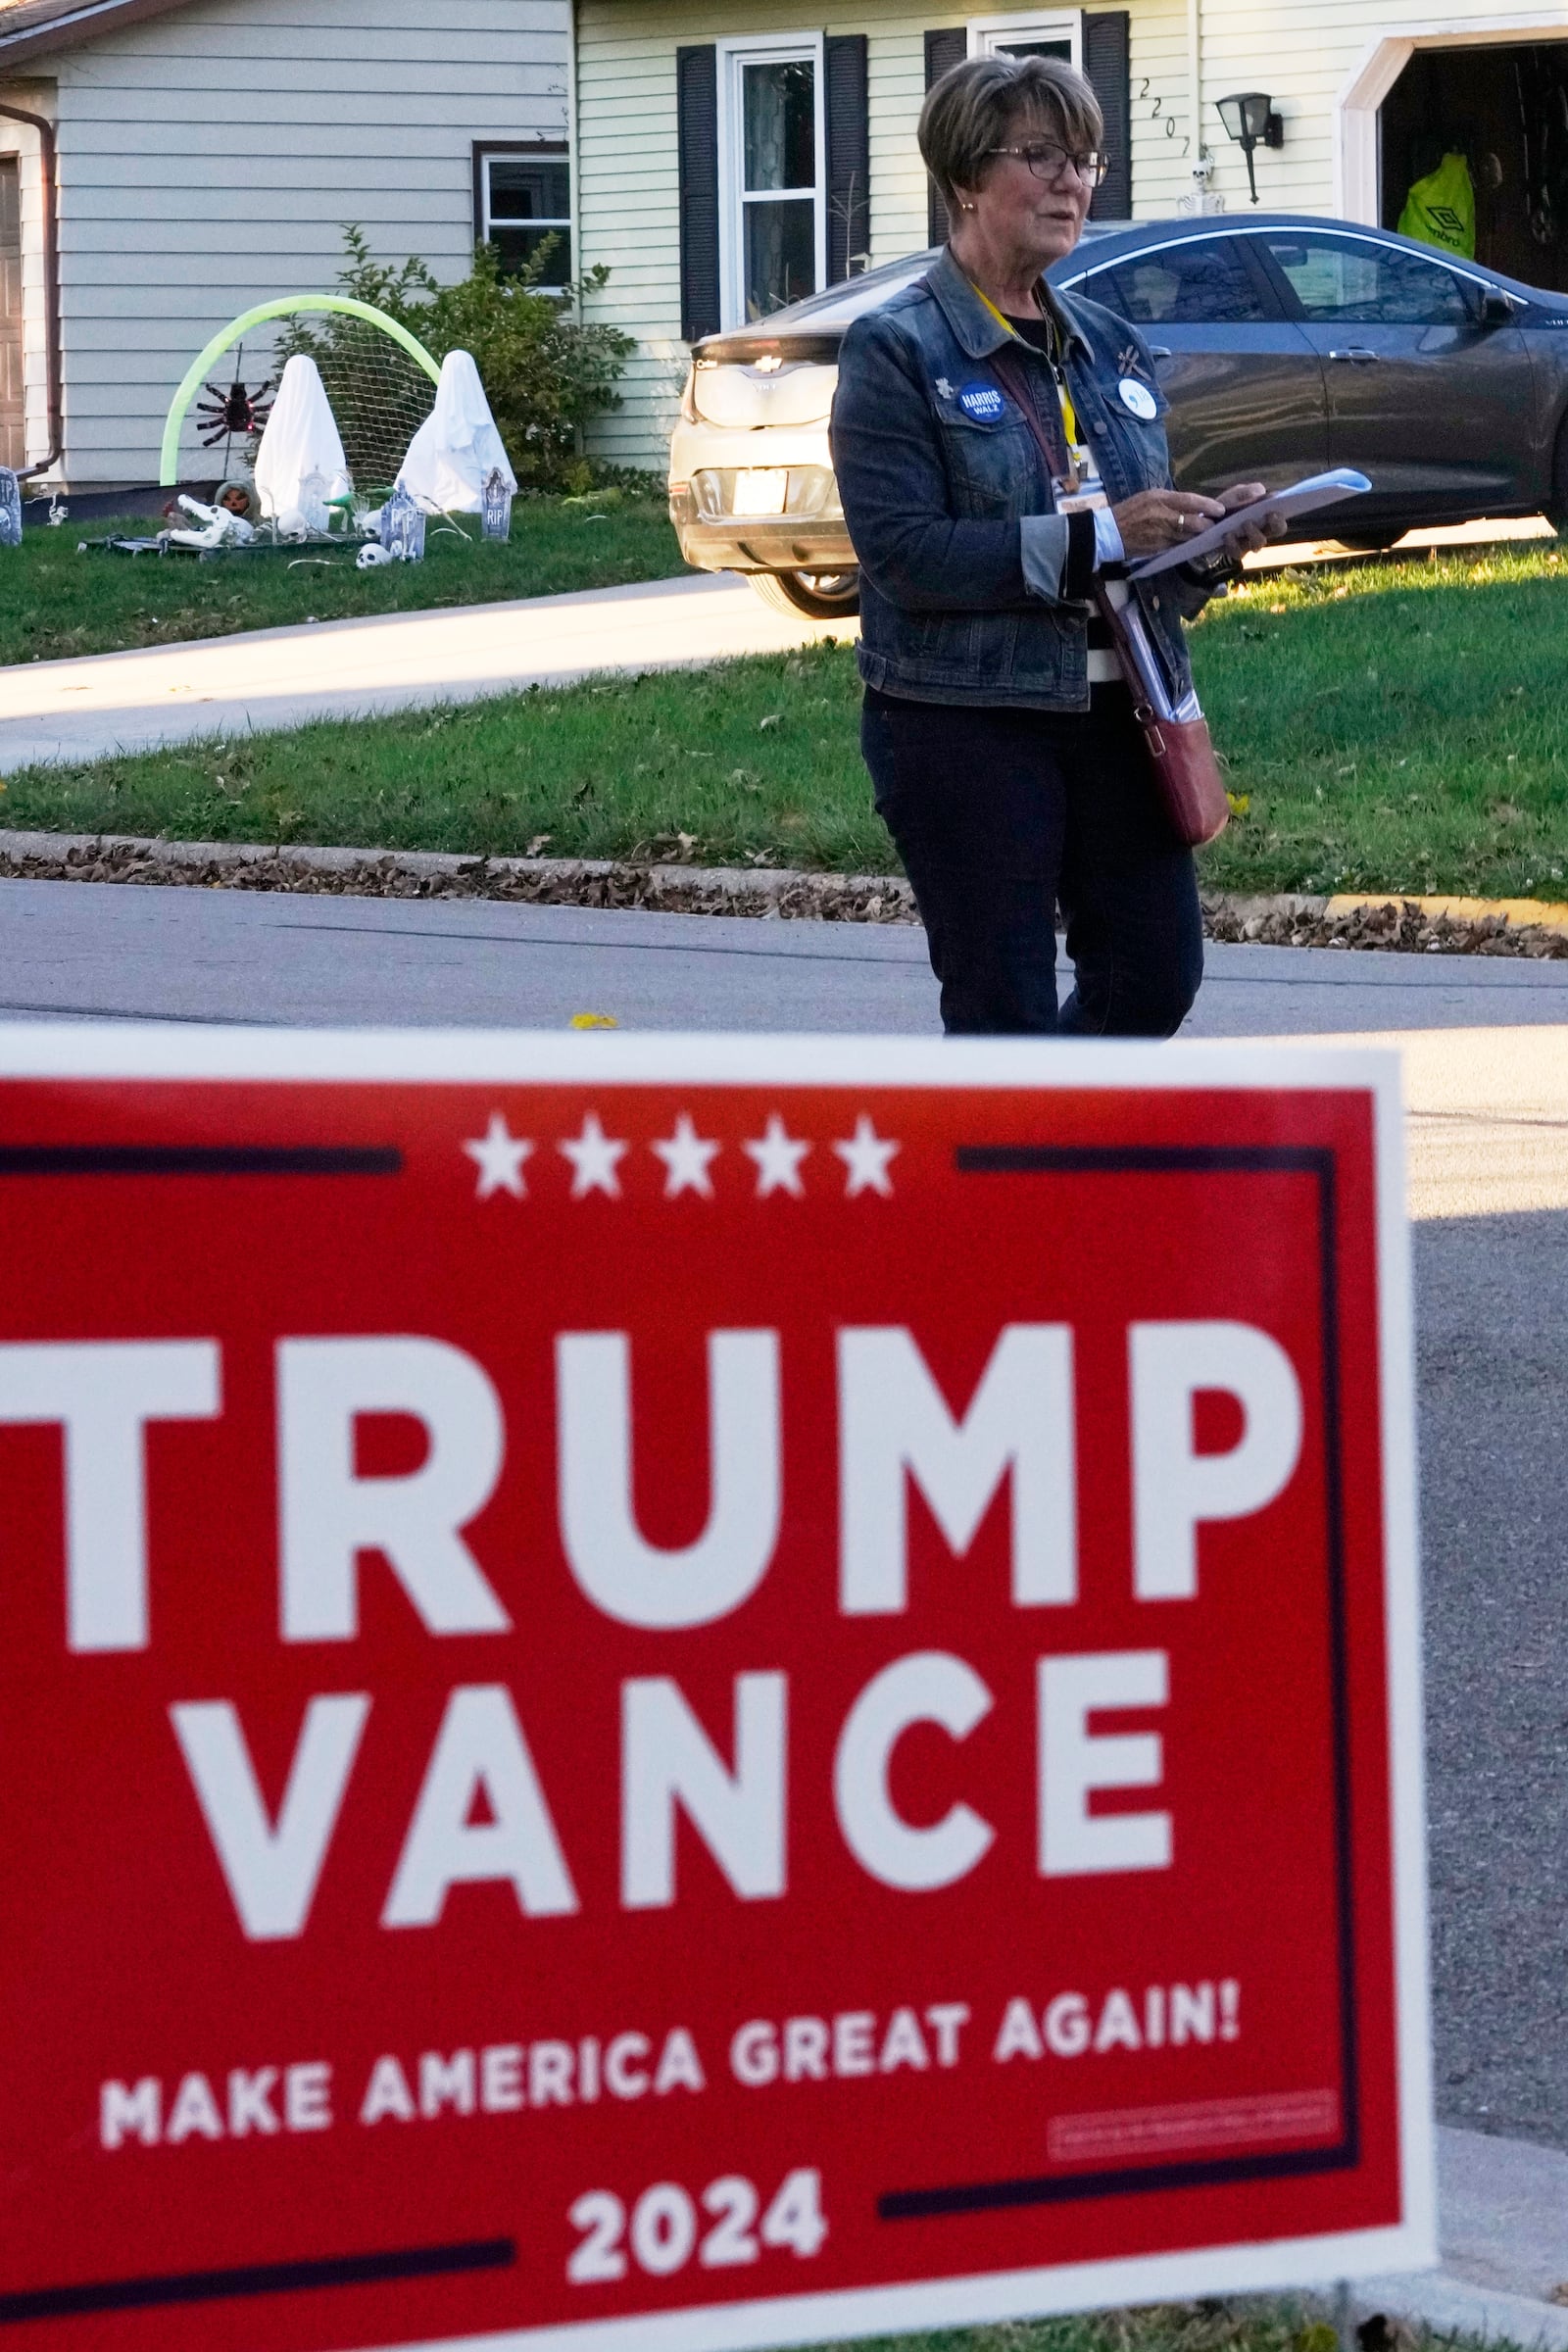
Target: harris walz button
column 1137, row 398
column 983, row 402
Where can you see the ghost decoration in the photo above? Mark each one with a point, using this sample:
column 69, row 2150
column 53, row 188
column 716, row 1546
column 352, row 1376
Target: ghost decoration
column 300, row 439
column 457, row 447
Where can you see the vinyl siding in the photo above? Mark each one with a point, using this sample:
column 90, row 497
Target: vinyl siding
column 1303, row 52
column 209, row 158
column 628, row 169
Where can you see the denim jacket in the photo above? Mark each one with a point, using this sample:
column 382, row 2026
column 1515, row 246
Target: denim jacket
column 947, row 498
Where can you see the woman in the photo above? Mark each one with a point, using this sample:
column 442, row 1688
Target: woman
column 1002, row 744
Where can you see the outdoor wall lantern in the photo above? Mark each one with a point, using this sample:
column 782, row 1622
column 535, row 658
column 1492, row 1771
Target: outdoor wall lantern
column 1251, row 120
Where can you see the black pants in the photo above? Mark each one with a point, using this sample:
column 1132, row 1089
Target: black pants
column 999, row 816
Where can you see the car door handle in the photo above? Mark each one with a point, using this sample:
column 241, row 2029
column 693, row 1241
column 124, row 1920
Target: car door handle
column 1358, row 353
column 1160, row 351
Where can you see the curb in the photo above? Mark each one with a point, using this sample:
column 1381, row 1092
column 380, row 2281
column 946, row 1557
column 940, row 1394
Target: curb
column 1441, row 925
column 1448, row 2305
column 1413, row 926
column 667, row 888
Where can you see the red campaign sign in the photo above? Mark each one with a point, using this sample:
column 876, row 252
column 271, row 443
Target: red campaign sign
column 749, row 1689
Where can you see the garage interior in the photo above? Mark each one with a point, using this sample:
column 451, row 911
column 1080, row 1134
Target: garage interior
column 1505, row 110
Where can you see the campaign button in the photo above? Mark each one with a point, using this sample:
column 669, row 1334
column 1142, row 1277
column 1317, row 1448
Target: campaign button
column 1137, row 398
column 983, row 402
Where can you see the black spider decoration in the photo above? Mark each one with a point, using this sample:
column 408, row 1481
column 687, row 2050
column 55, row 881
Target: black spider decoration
column 236, row 411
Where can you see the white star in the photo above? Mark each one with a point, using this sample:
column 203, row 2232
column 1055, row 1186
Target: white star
column 593, row 1158
column 499, row 1155
column 686, row 1156
column 865, row 1156
column 778, row 1160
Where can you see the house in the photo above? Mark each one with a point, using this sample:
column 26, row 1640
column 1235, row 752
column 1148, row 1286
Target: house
column 167, row 164
column 730, row 153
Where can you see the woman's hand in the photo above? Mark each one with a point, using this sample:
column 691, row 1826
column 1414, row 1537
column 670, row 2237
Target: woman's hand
column 1159, row 519
column 1252, row 535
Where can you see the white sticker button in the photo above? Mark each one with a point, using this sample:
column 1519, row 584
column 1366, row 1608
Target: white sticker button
column 1139, row 398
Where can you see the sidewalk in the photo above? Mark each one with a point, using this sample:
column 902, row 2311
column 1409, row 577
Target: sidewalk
column 1502, row 2226
column 267, row 679
column 263, row 679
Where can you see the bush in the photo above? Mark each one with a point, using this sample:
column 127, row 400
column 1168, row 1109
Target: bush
column 546, row 374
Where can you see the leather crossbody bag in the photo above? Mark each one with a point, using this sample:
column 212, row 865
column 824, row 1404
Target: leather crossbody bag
column 1180, row 748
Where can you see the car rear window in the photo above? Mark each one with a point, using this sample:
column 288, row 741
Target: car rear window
column 1202, row 283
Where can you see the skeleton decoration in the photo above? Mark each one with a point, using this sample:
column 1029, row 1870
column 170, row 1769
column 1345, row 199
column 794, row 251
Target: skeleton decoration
column 219, row 527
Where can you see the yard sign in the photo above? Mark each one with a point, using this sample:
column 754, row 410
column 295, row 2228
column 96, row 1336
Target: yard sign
column 709, row 1691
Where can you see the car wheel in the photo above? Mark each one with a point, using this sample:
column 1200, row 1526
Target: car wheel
column 1558, row 504
column 821, row 595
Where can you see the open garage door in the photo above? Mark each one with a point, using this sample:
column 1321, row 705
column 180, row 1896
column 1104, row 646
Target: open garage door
column 1505, row 110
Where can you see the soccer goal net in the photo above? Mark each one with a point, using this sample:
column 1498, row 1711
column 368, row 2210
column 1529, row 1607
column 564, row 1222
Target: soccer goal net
column 379, row 379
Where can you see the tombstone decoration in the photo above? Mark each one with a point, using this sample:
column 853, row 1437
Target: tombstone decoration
column 312, row 503
column 11, row 508
column 402, row 528
column 497, row 507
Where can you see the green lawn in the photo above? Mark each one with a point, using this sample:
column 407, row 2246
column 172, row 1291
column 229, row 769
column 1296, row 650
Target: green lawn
column 1243, row 2324
column 55, row 602
column 1386, row 728
column 1400, row 727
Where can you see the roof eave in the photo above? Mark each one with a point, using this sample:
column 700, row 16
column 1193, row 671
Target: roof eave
column 89, row 23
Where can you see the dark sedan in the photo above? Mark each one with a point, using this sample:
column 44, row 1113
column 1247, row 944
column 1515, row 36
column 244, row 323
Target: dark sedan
column 1284, row 344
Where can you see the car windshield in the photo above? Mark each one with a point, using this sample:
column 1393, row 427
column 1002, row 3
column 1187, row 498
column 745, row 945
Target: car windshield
column 833, row 310
column 836, row 306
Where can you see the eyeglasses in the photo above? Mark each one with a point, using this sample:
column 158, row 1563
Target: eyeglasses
column 1049, row 162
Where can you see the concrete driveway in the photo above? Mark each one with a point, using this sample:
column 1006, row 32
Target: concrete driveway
column 262, row 679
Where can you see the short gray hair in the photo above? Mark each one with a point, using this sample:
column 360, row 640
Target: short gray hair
column 977, row 107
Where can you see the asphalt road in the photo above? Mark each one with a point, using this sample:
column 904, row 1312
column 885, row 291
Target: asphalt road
column 1487, row 1072
column 191, row 955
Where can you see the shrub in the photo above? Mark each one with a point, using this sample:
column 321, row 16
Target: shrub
column 544, row 372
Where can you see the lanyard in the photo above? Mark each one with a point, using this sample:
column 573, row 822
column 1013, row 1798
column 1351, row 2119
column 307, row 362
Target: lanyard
column 1069, row 420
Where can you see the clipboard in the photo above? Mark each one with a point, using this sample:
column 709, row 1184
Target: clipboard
column 1302, row 498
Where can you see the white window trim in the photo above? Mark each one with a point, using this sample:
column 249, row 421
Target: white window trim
column 734, row 52
column 525, row 154
column 988, row 34
column 1356, row 173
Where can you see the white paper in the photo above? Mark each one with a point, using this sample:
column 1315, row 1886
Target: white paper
column 1302, row 498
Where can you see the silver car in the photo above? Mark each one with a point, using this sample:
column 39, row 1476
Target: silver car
column 1284, row 344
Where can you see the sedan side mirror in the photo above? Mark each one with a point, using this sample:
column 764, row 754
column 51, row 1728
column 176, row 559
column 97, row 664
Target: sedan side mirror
column 1499, row 308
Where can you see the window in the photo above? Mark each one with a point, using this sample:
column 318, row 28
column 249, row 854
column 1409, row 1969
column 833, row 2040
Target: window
column 1354, row 281
column 773, row 217
column 522, row 197
column 1028, row 36
column 1203, row 283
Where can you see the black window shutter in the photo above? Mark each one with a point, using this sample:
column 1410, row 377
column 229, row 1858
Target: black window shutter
column 1108, row 74
column 697, row 120
column 848, row 148
column 943, row 51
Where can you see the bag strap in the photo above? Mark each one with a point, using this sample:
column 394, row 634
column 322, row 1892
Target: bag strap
column 1006, row 363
